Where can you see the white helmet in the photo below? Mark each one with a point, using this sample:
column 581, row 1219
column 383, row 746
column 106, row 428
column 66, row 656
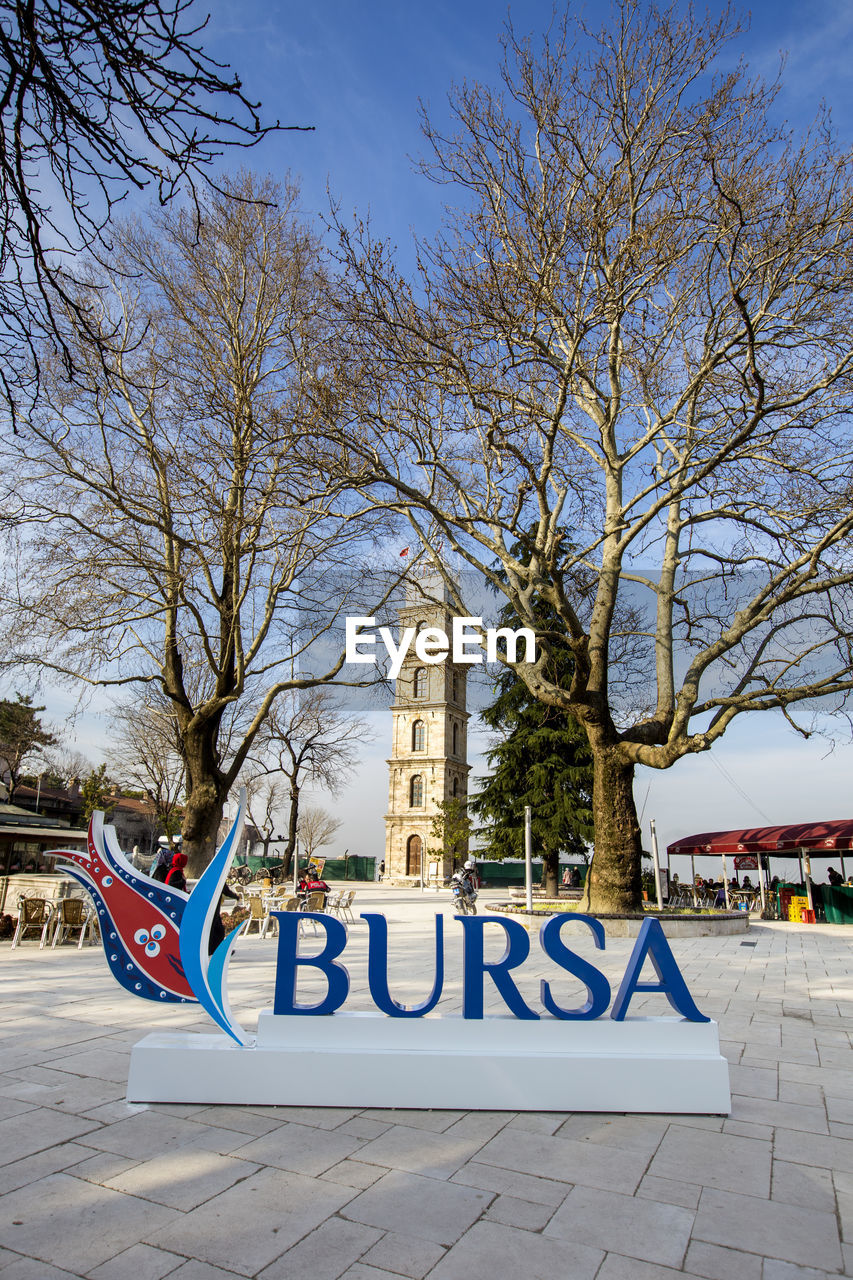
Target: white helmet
column 469, row 866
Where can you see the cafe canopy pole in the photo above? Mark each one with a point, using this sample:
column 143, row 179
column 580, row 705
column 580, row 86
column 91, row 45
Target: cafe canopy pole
column 808, row 873
column 761, row 885
column 656, row 860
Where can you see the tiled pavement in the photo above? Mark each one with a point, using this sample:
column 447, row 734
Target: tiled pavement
column 92, row 1187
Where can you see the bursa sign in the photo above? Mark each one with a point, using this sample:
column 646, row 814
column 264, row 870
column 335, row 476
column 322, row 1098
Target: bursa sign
column 651, row 944
column 156, row 944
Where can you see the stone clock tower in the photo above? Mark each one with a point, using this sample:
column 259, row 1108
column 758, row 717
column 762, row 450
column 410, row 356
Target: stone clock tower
column 429, row 748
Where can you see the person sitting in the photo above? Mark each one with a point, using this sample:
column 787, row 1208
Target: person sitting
column 315, row 884
column 747, row 883
column 835, row 877
column 464, row 879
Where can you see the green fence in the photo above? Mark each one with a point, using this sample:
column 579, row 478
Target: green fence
column 352, row 868
column 501, row 875
column 835, row 905
column 259, row 864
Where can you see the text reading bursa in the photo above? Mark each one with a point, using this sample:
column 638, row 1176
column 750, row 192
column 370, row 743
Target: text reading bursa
column 651, row 944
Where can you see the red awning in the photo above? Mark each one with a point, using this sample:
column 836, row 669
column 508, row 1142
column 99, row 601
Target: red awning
column 816, row 837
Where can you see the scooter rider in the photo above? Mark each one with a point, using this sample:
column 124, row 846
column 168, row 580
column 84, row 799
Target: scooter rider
column 465, row 880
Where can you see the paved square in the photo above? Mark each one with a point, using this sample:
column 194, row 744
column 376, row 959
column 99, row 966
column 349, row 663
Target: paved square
column 92, row 1188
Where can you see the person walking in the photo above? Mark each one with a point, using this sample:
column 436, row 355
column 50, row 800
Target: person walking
column 163, row 862
column 175, row 878
column 217, row 928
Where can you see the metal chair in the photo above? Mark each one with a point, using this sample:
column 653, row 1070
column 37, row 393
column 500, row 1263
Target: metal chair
column 34, row 914
column 312, row 902
column 71, row 914
column 345, row 905
column 279, row 903
column 259, row 916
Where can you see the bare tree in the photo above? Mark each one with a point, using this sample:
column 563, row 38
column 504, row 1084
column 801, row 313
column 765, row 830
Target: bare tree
column 317, row 828
column 145, row 754
column 97, row 100
column 308, row 739
column 267, row 798
column 65, row 765
column 631, row 353
column 182, row 542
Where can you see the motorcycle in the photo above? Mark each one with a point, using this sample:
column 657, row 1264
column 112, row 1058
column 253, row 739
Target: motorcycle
column 464, row 897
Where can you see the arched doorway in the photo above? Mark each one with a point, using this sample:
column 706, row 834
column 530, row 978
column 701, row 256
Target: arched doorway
column 413, row 856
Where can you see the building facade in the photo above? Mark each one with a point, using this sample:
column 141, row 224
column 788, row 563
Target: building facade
column 429, row 751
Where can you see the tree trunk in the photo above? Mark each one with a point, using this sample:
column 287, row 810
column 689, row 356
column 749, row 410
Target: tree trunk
column 613, row 880
column 202, row 819
column 550, row 873
column 290, row 848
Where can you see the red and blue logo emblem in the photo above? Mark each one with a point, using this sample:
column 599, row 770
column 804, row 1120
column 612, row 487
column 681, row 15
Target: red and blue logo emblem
column 155, row 937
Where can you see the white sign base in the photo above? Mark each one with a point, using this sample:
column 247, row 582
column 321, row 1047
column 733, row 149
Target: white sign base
column 495, row 1064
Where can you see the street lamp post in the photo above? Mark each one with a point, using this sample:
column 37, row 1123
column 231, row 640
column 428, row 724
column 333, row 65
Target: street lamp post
column 528, row 858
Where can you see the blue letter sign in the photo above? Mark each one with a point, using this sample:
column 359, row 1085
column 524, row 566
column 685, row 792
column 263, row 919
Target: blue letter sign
column 598, row 988
column 475, row 967
column 651, row 942
column 288, row 962
column 377, row 969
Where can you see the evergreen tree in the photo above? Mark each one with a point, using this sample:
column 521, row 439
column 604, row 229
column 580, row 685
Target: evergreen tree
column 96, row 793
column 22, row 735
column 450, row 832
column 542, row 759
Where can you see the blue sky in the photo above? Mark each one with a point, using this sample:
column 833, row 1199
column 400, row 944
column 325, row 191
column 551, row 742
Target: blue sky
column 357, row 71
